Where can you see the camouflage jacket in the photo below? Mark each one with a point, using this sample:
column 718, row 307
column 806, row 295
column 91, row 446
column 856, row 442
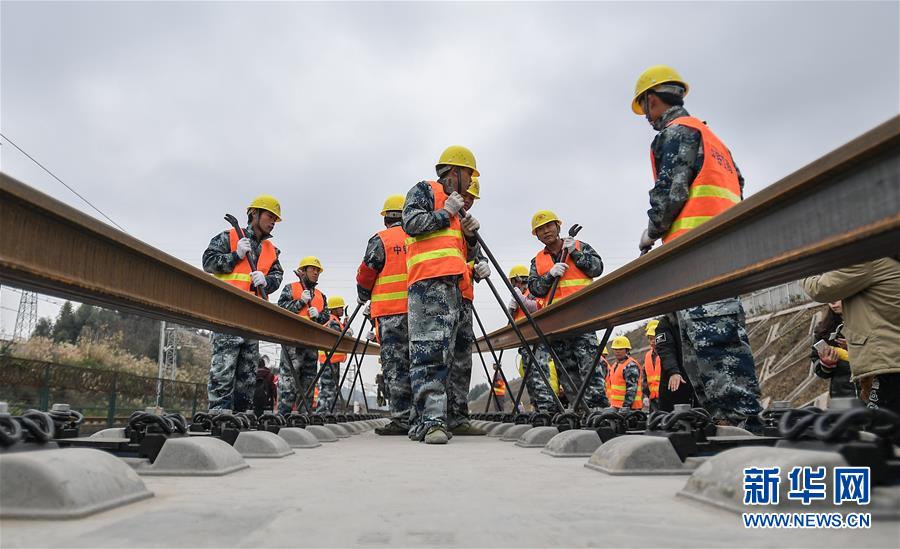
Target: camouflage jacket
column 286, row 300
column 219, row 259
column 420, row 217
column 678, row 155
column 587, row 259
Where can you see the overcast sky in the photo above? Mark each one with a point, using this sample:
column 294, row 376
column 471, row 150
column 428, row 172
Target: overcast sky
column 168, row 115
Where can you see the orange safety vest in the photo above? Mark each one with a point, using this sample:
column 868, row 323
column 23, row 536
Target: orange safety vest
column 615, row 385
column 715, row 188
column 336, row 357
column 572, row 280
column 438, row 253
column 316, row 397
column 499, row 386
column 318, row 300
column 466, row 282
column 652, row 369
column 239, row 277
column 389, row 293
column 540, row 305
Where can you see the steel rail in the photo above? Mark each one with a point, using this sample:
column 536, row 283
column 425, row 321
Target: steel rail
column 52, row 248
column 841, row 209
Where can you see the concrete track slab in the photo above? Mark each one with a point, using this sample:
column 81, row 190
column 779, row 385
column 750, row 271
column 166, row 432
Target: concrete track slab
column 472, row 492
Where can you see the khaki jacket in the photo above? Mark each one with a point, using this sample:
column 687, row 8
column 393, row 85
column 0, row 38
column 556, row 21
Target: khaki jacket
column 871, row 299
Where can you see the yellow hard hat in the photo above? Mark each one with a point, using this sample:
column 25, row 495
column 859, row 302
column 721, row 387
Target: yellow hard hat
column 651, row 328
column 393, row 203
column 310, row 261
column 474, row 188
column 621, row 342
column 457, row 155
column 336, row 302
column 542, row 217
column 517, row 271
column 652, row 77
column 267, row 202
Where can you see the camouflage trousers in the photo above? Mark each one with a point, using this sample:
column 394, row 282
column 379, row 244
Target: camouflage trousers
column 440, row 340
column 328, row 384
column 232, row 372
column 300, row 362
column 393, row 335
column 718, row 360
column 461, row 370
column 539, row 392
column 578, row 355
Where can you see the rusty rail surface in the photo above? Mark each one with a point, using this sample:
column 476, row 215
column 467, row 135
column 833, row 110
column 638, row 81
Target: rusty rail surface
column 841, row 209
column 52, row 248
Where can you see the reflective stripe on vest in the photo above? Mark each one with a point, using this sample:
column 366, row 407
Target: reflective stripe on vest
column 616, row 386
column 715, row 188
column 318, row 300
column 336, row 357
column 571, row 281
column 438, row 253
column 389, row 295
column 239, row 277
column 652, row 369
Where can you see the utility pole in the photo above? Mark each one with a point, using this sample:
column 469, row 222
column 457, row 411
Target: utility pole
column 26, row 317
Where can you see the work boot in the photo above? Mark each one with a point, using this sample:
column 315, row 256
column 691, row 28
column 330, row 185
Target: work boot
column 436, row 435
column 466, row 429
column 394, row 428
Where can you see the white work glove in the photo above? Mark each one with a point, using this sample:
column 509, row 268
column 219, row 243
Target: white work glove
column 454, row 203
column 349, row 332
column 313, row 313
column 367, row 310
column 482, row 269
column 306, row 297
column 258, row 278
column 243, row 247
column 569, row 244
column 558, row 269
column 371, row 335
column 530, row 304
column 646, row 243
column 513, row 305
column 470, row 225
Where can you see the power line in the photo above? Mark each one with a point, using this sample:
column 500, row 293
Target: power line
column 86, row 201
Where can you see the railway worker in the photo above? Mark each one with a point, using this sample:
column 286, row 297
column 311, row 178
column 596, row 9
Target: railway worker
column 540, row 395
column 624, row 382
column 232, row 371
column 675, row 386
column 439, row 245
column 328, row 381
column 582, row 264
column 499, row 387
column 460, row 376
column 652, row 367
column 297, row 369
column 697, row 179
column 381, row 280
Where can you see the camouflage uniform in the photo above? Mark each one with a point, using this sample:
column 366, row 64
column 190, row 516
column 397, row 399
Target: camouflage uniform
column 718, row 360
column 461, row 370
column 438, row 316
column 540, row 394
column 715, row 347
column 576, row 352
column 328, row 381
column 232, row 371
column 298, row 364
column 393, row 336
